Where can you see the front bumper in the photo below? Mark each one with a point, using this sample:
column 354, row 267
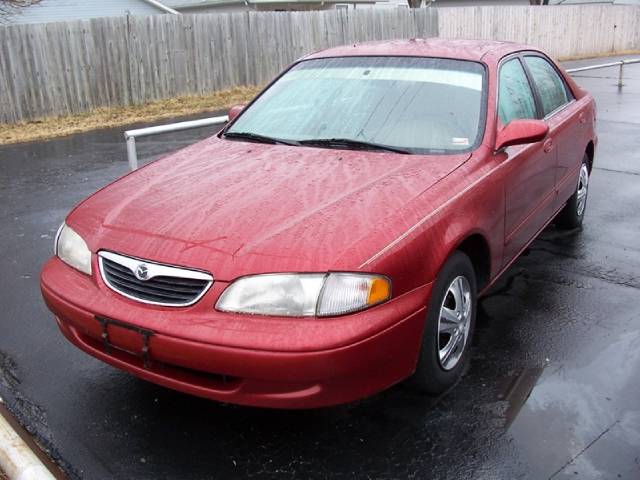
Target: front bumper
column 249, row 360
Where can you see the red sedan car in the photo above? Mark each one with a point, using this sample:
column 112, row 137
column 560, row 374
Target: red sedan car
column 333, row 239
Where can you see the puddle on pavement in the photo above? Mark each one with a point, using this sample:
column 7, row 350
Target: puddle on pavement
column 515, row 390
column 584, row 415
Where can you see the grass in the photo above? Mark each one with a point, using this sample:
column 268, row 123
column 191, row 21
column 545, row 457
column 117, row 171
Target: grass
column 51, row 127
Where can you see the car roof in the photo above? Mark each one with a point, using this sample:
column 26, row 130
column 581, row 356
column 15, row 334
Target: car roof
column 477, row 50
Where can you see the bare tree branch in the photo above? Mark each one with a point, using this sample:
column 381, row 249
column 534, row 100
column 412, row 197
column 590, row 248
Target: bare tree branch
column 10, row 7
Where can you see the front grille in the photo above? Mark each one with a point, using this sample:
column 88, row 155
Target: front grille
column 160, row 285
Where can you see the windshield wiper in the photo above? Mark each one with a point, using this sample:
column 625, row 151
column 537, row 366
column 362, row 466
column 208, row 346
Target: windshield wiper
column 256, row 137
column 350, row 143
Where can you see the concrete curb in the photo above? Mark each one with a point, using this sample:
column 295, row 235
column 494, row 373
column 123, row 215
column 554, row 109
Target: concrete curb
column 16, row 458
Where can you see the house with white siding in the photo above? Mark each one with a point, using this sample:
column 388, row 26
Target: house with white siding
column 209, row 6
column 611, row 2
column 212, row 6
column 62, row 10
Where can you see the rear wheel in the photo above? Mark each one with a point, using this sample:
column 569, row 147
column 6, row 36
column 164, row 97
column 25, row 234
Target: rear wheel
column 449, row 327
column 572, row 215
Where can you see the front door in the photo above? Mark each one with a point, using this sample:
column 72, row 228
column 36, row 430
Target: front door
column 529, row 170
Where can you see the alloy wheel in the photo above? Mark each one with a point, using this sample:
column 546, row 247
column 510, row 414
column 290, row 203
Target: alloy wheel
column 583, row 188
column 454, row 322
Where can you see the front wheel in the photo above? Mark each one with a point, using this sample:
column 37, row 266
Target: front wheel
column 572, row 215
column 449, row 327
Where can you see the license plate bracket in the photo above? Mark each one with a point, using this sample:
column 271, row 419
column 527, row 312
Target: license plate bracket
column 146, row 334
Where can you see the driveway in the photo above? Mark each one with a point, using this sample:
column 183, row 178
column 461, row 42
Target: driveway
column 552, row 391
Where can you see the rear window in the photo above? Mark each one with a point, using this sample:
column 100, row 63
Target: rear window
column 551, row 88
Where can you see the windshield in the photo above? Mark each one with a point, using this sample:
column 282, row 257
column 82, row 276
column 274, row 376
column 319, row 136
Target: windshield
column 415, row 104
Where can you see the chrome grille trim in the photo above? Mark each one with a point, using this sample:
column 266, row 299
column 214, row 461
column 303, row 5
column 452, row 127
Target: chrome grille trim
column 164, row 285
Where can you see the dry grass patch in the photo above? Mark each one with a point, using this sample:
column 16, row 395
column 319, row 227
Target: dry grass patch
column 51, row 127
column 598, row 55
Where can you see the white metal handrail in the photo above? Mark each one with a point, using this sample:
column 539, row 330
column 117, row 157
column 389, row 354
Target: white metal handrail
column 620, row 63
column 131, row 135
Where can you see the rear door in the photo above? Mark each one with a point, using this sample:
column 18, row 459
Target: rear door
column 529, row 169
column 565, row 119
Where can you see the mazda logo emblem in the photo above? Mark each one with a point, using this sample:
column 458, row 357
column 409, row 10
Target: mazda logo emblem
column 142, row 272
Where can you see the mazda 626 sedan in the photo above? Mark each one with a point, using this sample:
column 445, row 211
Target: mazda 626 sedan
column 333, row 239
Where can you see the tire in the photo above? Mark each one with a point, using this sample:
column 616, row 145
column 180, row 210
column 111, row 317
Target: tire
column 572, row 215
column 435, row 371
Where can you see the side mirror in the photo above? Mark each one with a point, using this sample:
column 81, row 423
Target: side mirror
column 235, row 111
column 519, row 132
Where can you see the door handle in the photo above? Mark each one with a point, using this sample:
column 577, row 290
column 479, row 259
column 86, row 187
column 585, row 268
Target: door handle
column 582, row 117
column 548, row 145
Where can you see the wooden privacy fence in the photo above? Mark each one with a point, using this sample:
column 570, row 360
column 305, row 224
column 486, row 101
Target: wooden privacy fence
column 72, row 67
column 58, row 68
column 563, row 31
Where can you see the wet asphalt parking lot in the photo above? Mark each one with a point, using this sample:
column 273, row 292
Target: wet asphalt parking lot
column 553, row 390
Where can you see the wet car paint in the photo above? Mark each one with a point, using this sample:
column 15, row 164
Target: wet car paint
column 234, row 208
column 552, row 389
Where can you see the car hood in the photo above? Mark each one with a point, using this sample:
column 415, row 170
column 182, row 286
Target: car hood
column 234, row 208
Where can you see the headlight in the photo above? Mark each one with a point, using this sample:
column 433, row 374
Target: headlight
column 72, row 249
column 304, row 294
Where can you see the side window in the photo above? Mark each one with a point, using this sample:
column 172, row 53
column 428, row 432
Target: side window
column 515, row 99
column 551, row 88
